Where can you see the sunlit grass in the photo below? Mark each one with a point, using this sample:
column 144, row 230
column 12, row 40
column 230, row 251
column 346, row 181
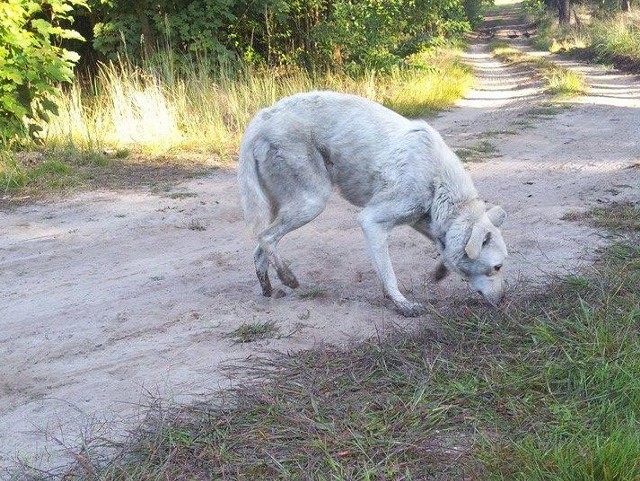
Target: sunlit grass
column 11, row 174
column 559, row 81
column 438, row 85
column 609, row 39
column 156, row 109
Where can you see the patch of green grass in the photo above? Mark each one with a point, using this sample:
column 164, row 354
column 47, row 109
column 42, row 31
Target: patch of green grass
column 617, row 217
column 254, row 331
column 477, row 153
column 545, row 110
column 497, row 133
column 181, row 195
column 12, row 174
column 42, row 173
column 565, row 82
column 313, row 293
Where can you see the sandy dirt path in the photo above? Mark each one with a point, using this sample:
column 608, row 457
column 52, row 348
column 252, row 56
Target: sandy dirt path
column 108, row 296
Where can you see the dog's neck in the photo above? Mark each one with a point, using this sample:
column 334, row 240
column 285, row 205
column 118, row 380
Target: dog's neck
column 445, row 210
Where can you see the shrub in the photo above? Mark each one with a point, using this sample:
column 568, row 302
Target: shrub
column 31, row 63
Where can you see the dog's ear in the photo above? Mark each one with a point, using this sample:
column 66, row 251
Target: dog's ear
column 474, row 246
column 496, row 215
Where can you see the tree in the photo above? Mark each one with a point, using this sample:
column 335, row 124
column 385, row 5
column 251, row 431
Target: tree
column 564, row 14
column 32, row 63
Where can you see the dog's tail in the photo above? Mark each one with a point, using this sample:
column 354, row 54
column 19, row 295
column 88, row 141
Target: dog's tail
column 256, row 204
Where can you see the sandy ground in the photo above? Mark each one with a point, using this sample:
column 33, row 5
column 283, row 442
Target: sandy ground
column 110, row 296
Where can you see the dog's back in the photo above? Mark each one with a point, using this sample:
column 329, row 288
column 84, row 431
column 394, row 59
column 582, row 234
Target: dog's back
column 353, row 140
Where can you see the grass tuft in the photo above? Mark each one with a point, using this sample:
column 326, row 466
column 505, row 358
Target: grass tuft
column 617, row 217
column 254, row 331
column 560, row 81
column 477, row 153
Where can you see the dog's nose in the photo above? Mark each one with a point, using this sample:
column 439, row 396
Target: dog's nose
column 494, row 299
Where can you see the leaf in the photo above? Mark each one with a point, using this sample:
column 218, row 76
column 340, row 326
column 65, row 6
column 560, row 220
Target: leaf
column 12, row 74
column 50, row 105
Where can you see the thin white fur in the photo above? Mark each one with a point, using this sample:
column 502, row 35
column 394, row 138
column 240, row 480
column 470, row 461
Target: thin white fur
column 399, row 171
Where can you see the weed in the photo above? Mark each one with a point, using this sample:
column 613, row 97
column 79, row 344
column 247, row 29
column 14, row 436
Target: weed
column 314, row 293
column 254, row 331
column 497, row 133
column 546, row 110
column 617, row 217
column 478, row 152
column 181, row 195
column 197, row 225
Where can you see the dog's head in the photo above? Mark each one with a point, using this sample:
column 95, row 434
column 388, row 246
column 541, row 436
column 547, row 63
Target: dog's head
column 474, row 248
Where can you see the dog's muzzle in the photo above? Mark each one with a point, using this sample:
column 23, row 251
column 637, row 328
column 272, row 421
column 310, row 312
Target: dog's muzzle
column 491, row 288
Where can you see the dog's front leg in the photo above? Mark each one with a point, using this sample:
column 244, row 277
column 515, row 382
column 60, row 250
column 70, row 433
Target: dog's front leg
column 376, row 230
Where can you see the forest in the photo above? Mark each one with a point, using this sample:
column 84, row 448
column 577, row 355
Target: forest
column 45, row 43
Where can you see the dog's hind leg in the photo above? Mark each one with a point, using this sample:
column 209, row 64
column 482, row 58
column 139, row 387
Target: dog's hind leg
column 290, row 217
column 297, row 182
column 376, row 222
column 262, row 270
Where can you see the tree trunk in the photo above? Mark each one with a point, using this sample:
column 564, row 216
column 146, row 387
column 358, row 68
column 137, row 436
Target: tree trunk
column 626, row 5
column 564, row 14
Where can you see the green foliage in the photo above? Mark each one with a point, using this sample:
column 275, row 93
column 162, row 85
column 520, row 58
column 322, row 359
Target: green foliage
column 32, row 62
column 536, row 8
column 345, row 34
column 133, row 27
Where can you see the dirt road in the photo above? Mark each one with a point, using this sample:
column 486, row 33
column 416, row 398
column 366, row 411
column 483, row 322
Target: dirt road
column 109, row 296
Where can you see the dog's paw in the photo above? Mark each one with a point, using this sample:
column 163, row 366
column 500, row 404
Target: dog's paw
column 440, row 272
column 411, row 309
column 287, row 277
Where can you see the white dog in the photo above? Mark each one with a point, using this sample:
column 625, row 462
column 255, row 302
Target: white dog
column 398, row 170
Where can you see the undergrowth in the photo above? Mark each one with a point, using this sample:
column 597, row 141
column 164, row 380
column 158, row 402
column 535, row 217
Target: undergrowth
column 133, row 120
column 604, row 37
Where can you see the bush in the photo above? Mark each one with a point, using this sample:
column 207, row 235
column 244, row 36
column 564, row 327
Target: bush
column 343, row 34
column 31, row 64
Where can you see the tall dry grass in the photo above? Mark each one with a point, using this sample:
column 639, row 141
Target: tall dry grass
column 164, row 106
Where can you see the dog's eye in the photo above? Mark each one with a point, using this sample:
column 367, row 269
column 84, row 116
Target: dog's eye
column 486, row 239
column 497, row 268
